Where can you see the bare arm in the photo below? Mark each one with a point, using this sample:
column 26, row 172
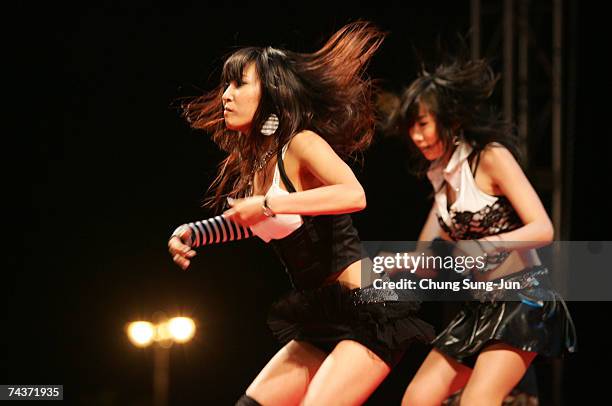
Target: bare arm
column 214, row 230
column 340, row 192
column 432, row 230
column 507, row 175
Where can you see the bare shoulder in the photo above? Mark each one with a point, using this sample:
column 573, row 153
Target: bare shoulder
column 305, row 139
column 306, row 143
column 495, row 156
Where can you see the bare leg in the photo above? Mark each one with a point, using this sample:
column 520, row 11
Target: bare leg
column 438, row 377
column 284, row 380
column 498, row 369
column 348, row 376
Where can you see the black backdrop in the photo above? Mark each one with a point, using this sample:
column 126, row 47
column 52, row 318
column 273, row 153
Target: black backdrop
column 105, row 169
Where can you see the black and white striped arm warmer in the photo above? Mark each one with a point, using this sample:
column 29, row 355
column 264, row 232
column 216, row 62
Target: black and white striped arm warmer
column 214, row 230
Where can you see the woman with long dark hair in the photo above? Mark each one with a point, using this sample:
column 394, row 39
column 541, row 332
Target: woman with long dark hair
column 483, row 201
column 287, row 120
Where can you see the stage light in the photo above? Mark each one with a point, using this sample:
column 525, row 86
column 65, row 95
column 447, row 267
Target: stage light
column 182, row 329
column 141, row 333
column 162, row 335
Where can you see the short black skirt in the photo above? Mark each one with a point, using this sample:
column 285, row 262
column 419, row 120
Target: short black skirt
column 534, row 318
column 329, row 314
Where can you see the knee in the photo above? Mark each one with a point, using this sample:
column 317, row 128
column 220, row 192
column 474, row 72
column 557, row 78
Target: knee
column 246, row 400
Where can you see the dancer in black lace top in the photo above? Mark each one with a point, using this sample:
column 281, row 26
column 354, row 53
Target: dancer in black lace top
column 484, row 201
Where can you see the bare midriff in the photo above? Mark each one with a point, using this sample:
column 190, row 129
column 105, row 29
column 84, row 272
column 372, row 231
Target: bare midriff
column 349, row 277
column 516, row 262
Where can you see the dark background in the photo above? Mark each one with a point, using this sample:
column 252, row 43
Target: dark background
column 104, row 169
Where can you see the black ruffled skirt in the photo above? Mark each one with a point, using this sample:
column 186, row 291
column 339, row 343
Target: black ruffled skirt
column 534, row 318
column 329, row 314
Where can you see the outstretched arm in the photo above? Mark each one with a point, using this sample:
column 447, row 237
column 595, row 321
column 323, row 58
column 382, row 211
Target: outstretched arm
column 214, row 230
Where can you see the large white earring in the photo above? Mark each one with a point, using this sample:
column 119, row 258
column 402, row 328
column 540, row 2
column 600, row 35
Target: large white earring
column 270, row 126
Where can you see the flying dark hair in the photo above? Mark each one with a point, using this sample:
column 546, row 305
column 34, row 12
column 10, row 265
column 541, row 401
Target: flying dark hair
column 457, row 95
column 326, row 92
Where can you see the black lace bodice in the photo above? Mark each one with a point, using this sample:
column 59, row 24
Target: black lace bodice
column 492, row 219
